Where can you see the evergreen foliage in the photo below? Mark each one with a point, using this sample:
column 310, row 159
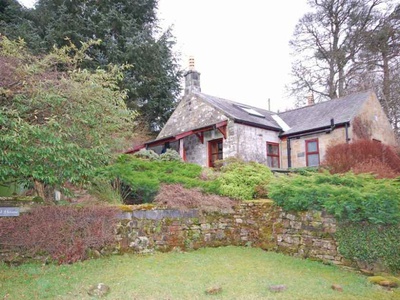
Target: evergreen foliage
column 245, row 181
column 129, row 33
column 347, row 196
column 370, row 243
column 141, row 178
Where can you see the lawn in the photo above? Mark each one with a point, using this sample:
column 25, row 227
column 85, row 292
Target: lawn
column 243, row 273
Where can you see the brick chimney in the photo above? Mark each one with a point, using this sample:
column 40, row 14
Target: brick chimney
column 192, row 78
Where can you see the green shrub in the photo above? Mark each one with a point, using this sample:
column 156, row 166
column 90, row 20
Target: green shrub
column 146, row 154
column 242, row 180
column 170, row 155
column 346, row 196
column 142, row 178
column 370, row 243
column 107, row 191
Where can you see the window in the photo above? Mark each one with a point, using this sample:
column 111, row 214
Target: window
column 251, row 111
column 273, row 155
column 214, row 151
column 312, row 153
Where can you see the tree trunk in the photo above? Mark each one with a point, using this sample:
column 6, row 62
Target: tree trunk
column 39, row 189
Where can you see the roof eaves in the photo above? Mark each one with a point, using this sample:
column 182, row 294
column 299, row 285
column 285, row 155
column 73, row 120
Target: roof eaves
column 258, row 125
column 313, row 130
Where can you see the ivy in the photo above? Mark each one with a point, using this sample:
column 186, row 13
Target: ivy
column 370, row 243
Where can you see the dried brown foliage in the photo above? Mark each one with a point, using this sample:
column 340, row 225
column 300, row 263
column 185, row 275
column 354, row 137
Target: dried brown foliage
column 363, row 156
column 377, row 167
column 63, row 233
column 176, row 196
column 8, row 71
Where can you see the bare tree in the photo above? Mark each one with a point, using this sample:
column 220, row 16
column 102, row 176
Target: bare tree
column 379, row 63
column 327, row 42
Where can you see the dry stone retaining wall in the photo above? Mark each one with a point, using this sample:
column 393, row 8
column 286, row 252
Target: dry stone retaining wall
column 256, row 223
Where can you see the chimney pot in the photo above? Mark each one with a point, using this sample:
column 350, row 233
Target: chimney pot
column 310, row 99
column 191, row 63
column 192, row 78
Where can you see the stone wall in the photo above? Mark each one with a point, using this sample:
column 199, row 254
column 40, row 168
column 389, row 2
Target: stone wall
column 246, row 142
column 257, row 223
column 252, row 223
column 250, row 143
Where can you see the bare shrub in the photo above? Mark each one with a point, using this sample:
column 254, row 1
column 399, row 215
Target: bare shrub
column 176, row 196
column 376, row 167
column 62, row 232
column 363, row 156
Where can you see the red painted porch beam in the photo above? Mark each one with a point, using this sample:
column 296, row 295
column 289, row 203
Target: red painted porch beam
column 184, row 134
column 200, row 135
column 135, row 149
column 221, row 126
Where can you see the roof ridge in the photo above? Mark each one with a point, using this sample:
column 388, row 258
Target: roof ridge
column 235, row 102
column 326, row 101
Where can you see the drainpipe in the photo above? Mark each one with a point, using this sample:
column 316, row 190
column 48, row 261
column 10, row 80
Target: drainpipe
column 328, row 130
column 346, row 126
column 181, row 149
column 289, row 153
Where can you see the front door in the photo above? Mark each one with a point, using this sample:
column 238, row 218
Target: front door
column 214, row 152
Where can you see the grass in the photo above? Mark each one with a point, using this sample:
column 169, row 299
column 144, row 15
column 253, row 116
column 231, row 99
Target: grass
column 243, row 273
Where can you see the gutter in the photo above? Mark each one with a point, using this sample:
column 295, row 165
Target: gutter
column 253, row 124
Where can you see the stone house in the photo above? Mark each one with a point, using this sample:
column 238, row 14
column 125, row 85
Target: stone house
column 205, row 128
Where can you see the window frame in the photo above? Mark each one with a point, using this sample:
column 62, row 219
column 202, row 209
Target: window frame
column 312, row 152
column 210, row 152
column 273, row 155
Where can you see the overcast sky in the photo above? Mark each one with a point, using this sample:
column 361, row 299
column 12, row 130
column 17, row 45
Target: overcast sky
column 240, row 47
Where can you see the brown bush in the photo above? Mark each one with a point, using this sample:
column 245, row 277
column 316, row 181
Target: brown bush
column 377, row 167
column 63, row 233
column 176, row 196
column 363, row 156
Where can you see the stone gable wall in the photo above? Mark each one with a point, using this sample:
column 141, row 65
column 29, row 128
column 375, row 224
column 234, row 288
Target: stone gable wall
column 372, row 113
column 191, row 113
column 257, row 224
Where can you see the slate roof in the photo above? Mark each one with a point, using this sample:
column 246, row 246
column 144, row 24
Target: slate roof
column 319, row 115
column 233, row 110
column 307, row 118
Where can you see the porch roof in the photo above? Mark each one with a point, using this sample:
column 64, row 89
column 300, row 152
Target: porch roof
column 198, row 131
